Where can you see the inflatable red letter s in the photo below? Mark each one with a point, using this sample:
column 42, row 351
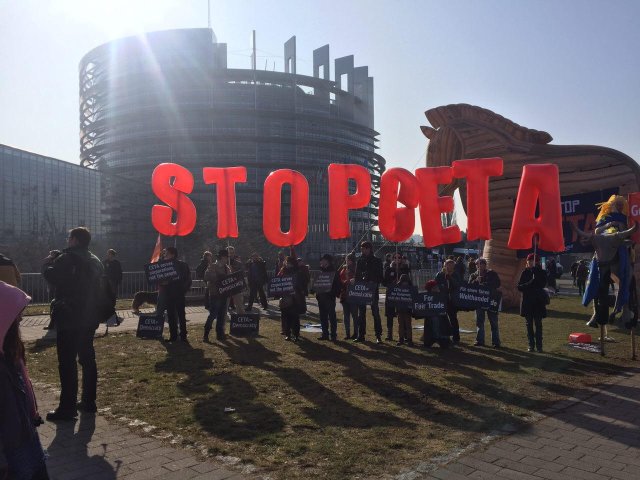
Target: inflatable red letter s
column 340, row 202
column 431, row 206
column 174, row 195
column 397, row 223
column 271, row 222
column 477, row 172
column 225, row 180
column 540, row 187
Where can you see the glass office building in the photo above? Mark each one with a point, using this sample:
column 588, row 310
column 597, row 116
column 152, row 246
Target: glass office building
column 41, row 199
column 169, row 96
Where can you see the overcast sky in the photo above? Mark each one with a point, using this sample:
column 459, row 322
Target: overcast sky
column 571, row 68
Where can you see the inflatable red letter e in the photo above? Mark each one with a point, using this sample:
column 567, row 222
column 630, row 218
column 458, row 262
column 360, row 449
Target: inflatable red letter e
column 174, row 195
column 272, row 200
column 340, row 202
column 225, row 180
column 431, row 206
column 540, row 187
column 397, row 223
column 477, row 172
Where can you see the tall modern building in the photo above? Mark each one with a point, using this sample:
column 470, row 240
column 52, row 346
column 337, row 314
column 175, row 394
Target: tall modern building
column 169, row 96
column 41, row 199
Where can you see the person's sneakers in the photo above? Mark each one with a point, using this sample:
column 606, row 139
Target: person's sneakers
column 496, row 346
column 87, row 407
column 378, row 339
column 530, row 349
column 478, row 344
column 401, row 342
column 295, row 339
column 59, row 415
column 169, row 340
column 287, row 338
column 358, row 340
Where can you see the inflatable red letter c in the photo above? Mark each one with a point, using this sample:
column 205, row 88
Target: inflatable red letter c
column 539, row 187
column 397, row 223
column 174, row 195
column 271, row 222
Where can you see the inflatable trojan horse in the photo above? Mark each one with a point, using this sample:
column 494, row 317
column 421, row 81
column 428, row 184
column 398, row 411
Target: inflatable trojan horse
column 466, row 131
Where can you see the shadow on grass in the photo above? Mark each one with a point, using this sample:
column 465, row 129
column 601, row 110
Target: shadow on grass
column 250, row 418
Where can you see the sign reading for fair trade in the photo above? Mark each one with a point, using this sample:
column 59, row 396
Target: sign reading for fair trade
column 279, row 286
column 162, row 270
column 429, row 304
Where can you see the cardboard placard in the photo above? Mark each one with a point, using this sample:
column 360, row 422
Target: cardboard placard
column 471, row 297
column 430, row 304
column 279, row 286
column 495, row 302
column 244, row 324
column 401, row 296
column 324, row 282
column 231, row 284
column 150, row 326
column 162, row 270
column 361, row 293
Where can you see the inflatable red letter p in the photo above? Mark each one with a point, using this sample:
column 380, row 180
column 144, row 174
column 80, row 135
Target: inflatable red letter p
column 340, row 202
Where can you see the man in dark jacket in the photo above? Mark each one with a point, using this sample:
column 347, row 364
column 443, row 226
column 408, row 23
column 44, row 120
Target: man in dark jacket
column 257, row 276
column 327, row 300
column 74, row 275
column 9, row 273
column 449, row 282
column 489, row 279
column 369, row 269
column 175, row 293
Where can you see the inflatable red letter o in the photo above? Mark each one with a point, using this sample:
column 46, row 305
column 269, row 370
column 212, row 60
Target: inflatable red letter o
column 397, row 223
column 271, row 222
column 174, row 195
column 477, row 172
column 340, row 202
column 539, row 186
column 225, row 180
column 431, row 206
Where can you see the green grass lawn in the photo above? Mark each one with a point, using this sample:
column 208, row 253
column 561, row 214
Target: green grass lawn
column 339, row 410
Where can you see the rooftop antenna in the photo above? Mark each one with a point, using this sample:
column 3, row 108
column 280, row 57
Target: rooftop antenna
column 209, row 13
column 253, row 50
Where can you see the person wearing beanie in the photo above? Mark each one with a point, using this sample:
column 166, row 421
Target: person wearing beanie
column 327, row 301
column 533, row 304
column 21, row 454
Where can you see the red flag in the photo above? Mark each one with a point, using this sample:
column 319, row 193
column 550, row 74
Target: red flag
column 155, row 256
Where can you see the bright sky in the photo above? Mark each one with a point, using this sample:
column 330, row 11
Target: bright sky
column 568, row 67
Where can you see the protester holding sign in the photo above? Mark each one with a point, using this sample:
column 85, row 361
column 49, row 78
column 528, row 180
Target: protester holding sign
column 369, row 269
column 405, row 328
column 436, row 325
column 490, row 279
column 448, row 283
column 326, row 293
column 236, row 266
column 175, row 292
column 349, row 310
column 392, row 273
column 217, row 303
column 533, row 305
column 292, row 304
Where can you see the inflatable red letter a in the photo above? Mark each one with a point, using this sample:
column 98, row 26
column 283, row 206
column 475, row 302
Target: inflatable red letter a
column 340, row 202
column 539, row 187
column 174, row 195
column 272, row 200
column 225, row 180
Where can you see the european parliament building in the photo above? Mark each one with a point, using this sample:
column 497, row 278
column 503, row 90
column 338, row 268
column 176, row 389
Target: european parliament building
column 169, row 96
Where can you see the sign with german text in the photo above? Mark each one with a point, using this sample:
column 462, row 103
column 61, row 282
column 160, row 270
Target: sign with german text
column 361, row 293
column 150, row 326
column 429, row 304
column 245, row 324
column 324, row 282
column 279, row 286
column 401, row 296
column 471, row 297
column 231, row 284
column 162, row 270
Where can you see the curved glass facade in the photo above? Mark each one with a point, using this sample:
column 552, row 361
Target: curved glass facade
column 169, row 97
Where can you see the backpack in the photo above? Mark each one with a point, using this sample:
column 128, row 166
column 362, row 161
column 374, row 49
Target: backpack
column 100, row 298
